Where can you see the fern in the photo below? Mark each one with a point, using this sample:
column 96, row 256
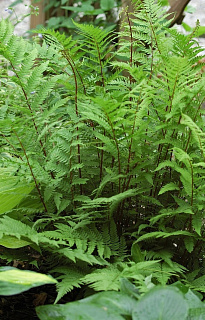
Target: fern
column 104, row 279
column 71, row 278
column 100, row 149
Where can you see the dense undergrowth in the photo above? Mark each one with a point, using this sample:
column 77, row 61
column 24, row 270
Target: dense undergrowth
column 102, row 170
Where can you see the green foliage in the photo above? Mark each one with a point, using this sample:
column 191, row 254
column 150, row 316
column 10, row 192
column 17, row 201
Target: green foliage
column 101, row 13
column 61, row 13
column 12, row 191
column 14, row 281
column 163, row 303
column 102, row 155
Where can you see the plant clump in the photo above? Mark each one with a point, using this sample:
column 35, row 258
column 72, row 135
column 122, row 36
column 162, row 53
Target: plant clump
column 102, row 157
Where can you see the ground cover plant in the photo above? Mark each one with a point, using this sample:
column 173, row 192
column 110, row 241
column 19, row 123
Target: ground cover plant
column 102, row 159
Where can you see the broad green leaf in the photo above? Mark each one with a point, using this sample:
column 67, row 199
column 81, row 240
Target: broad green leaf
column 189, row 243
column 184, row 289
column 128, row 288
column 14, row 281
column 186, row 27
column 200, row 31
column 107, row 4
column 76, row 311
column 161, row 303
column 136, row 253
column 190, row 9
column 83, row 8
column 13, row 242
column 163, row 2
column 193, row 300
column 11, row 190
column 117, row 302
column 12, row 197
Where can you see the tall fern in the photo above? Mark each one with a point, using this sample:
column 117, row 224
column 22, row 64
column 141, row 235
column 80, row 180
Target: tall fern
column 106, row 147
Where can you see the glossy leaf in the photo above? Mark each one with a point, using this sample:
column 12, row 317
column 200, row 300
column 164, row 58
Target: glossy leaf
column 14, row 281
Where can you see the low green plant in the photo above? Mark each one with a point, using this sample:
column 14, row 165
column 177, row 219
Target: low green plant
column 102, row 154
column 60, row 13
column 14, row 281
column 101, row 13
column 164, row 303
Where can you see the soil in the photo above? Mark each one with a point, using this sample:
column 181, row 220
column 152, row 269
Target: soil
column 22, row 306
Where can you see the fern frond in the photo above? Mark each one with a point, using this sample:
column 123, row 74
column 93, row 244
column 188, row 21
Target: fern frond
column 104, row 279
column 6, row 31
column 71, row 278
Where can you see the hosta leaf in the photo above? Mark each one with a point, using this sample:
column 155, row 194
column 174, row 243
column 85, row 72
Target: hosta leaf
column 114, row 301
column 161, row 303
column 14, row 281
column 193, row 300
column 12, row 191
column 13, row 242
column 128, row 288
column 76, row 311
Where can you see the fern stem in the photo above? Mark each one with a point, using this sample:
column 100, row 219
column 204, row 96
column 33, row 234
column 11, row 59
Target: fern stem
column 155, row 38
column 29, row 106
column 78, row 74
column 71, row 174
column 32, row 115
column 118, row 151
column 76, row 111
column 131, row 47
column 130, row 146
column 103, row 83
column 192, row 184
column 160, row 147
column 153, row 190
column 165, row 157
column 101, row 159
column 31, row 170
column 152, row 58
column 100, row 62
